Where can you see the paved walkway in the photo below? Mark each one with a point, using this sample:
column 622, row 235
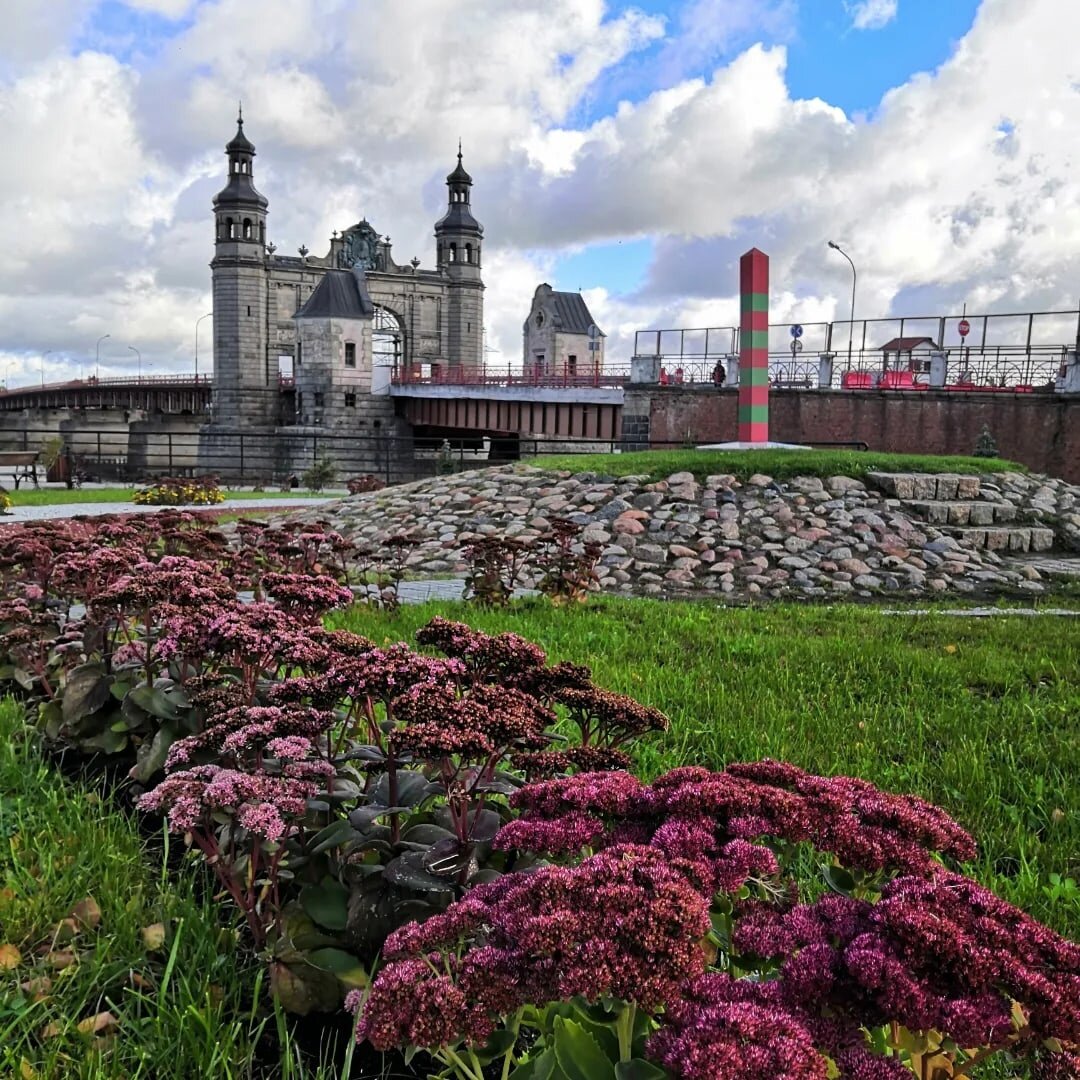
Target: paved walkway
column 69, row 510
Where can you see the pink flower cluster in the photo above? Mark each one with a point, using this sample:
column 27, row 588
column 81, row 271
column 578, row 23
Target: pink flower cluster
column 262, row 804
column 695, row 813
column 622, row 923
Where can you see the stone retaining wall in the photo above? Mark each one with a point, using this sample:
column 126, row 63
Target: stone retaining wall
column 805, row 537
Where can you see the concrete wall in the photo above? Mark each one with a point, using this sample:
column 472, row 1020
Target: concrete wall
column 1041, row 431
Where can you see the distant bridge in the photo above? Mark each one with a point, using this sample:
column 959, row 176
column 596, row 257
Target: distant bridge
column 152, row 393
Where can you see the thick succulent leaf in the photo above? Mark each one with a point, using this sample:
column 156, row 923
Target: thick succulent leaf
column 426, row 834
column 334, row 835
column 152, row 700
column 150, row 757
column 85, row 692
column 412, row 789
column 363, row 816
column 344, row 965
column 578, row 1053
column 326, row 903
column 303, row 989
column 407, row 872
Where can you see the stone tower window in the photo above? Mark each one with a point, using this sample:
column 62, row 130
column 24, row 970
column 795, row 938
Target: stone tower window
column 247, row 228
column 299, row 353
column 350, row 354
column 453, row 252
column 350, row 400
column 468, row 253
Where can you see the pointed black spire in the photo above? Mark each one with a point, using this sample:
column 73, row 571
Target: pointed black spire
column 459, row 176
column 240, row 142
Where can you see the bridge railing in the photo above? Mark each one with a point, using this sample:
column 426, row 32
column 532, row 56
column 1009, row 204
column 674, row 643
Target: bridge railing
column 566, row 375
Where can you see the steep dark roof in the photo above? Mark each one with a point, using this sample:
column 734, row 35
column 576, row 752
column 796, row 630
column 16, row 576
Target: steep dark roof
column 906, row 344
column 571, row 312
column 240, row 142
column 342, row 294
column 459, row 175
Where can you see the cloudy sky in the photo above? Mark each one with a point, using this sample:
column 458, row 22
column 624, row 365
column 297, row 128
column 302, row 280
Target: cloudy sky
column 632, row 151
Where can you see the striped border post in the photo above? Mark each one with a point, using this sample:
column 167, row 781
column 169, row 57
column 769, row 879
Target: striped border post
column 754, row 348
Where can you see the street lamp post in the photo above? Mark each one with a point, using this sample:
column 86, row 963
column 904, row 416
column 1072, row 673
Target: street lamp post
column 208, row 315
column 854, row 278
column 139, row 355
column 97, row 353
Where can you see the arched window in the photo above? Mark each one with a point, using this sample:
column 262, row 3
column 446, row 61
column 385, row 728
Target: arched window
column 229, row 228
column 468, row 253
column 453, row 252
column 247, row 228
column 386, row 340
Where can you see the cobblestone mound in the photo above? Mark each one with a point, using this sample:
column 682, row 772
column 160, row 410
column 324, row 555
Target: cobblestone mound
column 895, row 534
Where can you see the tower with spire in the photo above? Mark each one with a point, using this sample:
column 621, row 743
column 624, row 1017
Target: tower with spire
column 246, row 389
column 458, row 243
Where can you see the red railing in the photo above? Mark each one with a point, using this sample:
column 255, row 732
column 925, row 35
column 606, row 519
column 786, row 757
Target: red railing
column 121, row 380
column 461, row 375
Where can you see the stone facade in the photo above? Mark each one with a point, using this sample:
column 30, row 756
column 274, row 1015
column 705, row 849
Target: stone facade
column 422, row 316
column 560, row 335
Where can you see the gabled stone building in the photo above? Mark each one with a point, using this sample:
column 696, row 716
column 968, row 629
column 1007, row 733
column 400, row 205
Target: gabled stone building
column 561, row 336
column 277, row 316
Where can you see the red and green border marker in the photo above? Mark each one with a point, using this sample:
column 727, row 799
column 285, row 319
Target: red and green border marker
column 754, row 347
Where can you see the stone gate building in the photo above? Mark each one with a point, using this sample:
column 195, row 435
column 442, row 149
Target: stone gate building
column 340, row 322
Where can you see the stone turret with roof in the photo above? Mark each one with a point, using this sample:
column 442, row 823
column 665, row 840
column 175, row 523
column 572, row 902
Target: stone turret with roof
column 245, row 392
column 561, row 337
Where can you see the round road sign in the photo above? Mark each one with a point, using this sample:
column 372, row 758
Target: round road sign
column 796, row 346
column 964, row 328
column 796, row 331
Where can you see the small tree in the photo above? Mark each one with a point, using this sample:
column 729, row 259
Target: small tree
column 985, row 445
column 321, row 473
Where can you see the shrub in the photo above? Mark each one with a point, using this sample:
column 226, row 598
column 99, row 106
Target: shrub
column 178, row 491
column 985, row 446
column 368, row 482
column 321, row 473
column 5, row 500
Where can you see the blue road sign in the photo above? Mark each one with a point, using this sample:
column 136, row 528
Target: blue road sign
column 796, row 331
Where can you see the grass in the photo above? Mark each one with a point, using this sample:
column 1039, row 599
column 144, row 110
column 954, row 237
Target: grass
column 60, row 496
column 779, row 464
column 977, row 715
column 183, row 1009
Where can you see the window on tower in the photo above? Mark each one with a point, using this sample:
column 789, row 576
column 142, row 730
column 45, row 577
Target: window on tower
column 468, row 253
column 350, row 354
column 247, row 228
column 299, row 353
column 453, row 252
column 350, row 400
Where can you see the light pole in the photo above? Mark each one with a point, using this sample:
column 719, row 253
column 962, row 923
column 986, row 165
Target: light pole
column 854, row 278
column 208, row 315
column 97, row 352
column 139, row 355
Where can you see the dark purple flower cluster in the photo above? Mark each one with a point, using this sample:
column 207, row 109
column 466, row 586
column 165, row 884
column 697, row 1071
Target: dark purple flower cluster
column 607, row 718
column 866, row 828
column 622, row 923
column 940, row 954
column 501, row 656
column 305, row 597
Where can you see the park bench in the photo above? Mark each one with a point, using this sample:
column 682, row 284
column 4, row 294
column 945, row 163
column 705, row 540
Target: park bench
column 22, row 463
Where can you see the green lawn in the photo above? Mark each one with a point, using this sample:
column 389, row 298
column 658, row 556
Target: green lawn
column 978, row 715
column 779, row 464
column 184, row 1009
column 60, row 496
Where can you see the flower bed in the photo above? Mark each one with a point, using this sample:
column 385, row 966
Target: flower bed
column 461, row 824
column 178, row 491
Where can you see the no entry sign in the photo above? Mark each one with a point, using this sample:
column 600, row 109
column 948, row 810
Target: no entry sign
column 964, row 328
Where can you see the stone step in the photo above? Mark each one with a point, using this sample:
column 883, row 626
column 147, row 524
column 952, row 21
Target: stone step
column 961, row 513
column 1023, row 539
column 926, row 486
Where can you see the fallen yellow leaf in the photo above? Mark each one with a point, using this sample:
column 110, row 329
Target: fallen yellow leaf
column 153, row 936
column 96, row 1025
column 61, row 959
column 27, row 1071
column 66, row 930
column 38, row 987
column 88, row 913
column 10, row 957
column 950, row 649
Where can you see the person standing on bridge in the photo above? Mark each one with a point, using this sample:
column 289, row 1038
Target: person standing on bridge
column 719, row 375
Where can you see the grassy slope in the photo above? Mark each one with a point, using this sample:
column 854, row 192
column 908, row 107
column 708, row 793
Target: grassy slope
column 779, row 464
column 977, row 715
column 56, row 496
column 181, row 1010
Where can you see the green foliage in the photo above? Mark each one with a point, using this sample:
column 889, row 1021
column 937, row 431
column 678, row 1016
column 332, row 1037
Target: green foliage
column 321, row 474
column 153, row 956
column 975, row 715
column 779, row 464
column 985, row 446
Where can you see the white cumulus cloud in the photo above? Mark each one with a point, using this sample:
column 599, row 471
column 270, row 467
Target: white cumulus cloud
column 872, row 14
